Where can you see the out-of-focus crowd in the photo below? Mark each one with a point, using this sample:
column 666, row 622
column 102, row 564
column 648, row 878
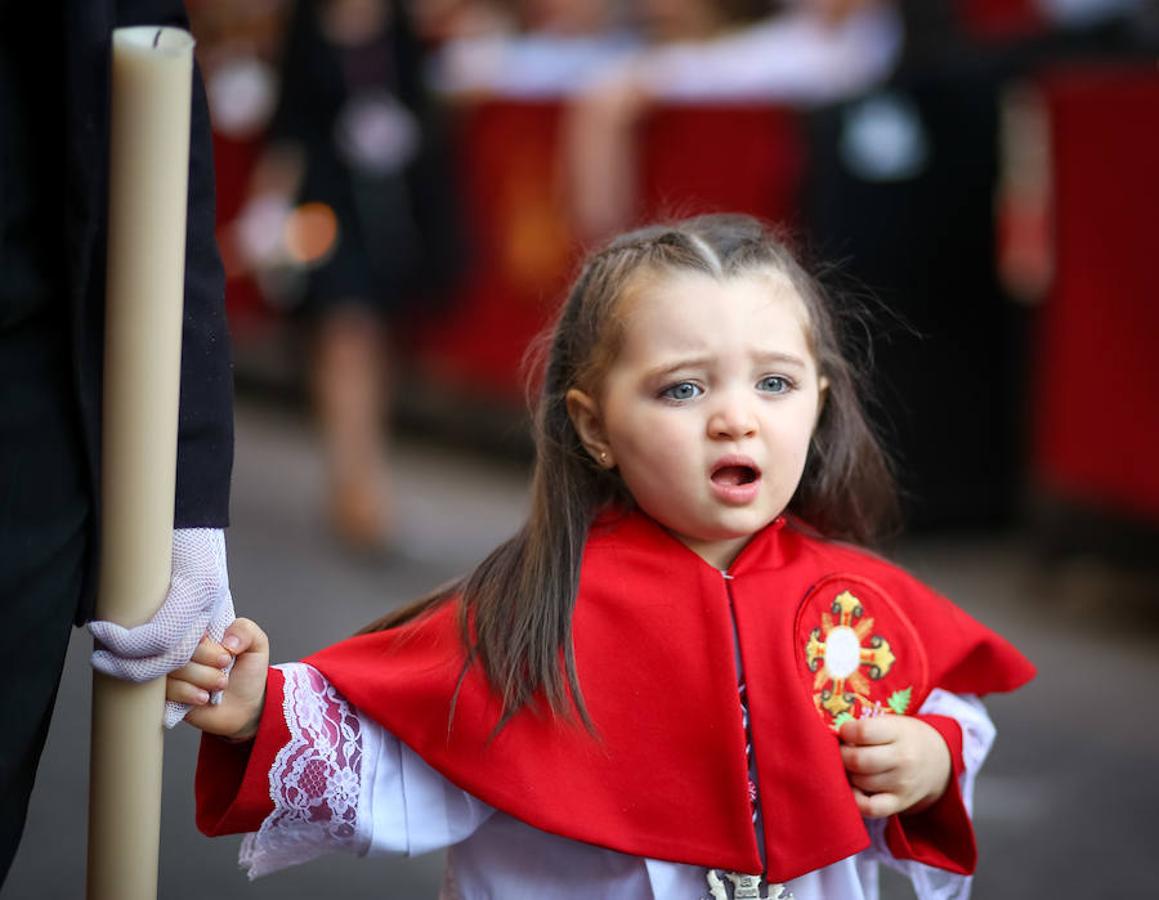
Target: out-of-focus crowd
column 411, row 181
column 610, row 59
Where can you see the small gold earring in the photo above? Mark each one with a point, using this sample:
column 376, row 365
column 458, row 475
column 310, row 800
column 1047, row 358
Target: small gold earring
column 603, row 457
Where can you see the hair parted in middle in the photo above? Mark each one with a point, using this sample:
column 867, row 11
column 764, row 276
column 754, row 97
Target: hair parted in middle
column 516, row 606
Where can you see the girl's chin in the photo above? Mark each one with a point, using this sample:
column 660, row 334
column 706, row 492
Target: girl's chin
column 739, row 526
column 718, row 549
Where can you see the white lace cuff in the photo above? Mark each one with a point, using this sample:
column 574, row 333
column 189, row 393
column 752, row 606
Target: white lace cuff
column 316, row 781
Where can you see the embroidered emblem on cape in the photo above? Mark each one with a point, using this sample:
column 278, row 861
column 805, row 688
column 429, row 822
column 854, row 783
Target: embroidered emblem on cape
column 738, row 886
column 856, row 643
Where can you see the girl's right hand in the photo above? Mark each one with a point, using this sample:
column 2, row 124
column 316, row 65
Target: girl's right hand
column 243, row 690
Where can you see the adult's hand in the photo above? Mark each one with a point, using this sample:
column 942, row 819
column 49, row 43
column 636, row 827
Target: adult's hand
column 198, row 604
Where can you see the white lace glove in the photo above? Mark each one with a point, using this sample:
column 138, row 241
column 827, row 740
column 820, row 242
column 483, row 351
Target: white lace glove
column 198, row 603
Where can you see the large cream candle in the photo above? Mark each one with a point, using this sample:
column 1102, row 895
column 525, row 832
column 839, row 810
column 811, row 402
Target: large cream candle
column 148, row 176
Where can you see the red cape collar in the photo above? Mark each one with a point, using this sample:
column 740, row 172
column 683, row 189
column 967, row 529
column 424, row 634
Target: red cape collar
column 824, row 631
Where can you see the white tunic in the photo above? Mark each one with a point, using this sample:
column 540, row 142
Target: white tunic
column 343, row 783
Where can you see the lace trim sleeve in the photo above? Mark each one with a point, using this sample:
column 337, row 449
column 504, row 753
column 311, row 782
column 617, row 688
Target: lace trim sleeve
column 316, row 781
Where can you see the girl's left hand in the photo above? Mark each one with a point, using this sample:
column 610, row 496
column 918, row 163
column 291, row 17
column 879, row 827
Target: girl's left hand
column 238, row 714
column 895, row 764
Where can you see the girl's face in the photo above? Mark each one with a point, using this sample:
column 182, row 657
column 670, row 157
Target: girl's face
column 709, row 407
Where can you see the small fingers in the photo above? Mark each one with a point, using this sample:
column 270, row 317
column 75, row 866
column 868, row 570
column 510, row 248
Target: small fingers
column 210, row 653
column 245, row 636
column 186, row 692
column 876, row 806
column 885, row 783
column 868, row 760
column 208, row 678
column 875, row 730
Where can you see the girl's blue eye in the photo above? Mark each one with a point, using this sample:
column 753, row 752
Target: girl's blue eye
column 775, row 384
column 685, row 390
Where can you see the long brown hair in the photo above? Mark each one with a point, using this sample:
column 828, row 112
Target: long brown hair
column 517, row 605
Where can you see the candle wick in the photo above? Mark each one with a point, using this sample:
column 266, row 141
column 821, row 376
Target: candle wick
column 157, row 38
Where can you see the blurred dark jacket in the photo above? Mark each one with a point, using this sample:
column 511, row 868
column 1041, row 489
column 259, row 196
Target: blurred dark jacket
column 402, row 241
column 53, row 215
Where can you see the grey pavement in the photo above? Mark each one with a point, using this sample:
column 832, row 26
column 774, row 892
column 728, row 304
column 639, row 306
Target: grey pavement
column 1065, row 808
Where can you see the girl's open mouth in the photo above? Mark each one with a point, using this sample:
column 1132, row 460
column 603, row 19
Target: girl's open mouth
column 734, row 475
column 735, row 480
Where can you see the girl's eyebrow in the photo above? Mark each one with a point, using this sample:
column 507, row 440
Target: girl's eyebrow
column 687, row 362
column 762, row 358
column 776, row 356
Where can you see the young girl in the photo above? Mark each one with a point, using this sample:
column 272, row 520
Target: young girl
column 680, row 679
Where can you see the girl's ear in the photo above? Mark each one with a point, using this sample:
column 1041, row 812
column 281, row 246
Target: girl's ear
column 822, row 396
column 585, row 417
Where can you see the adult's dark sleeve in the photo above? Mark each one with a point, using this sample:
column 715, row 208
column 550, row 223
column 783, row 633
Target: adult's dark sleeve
column 205, row 425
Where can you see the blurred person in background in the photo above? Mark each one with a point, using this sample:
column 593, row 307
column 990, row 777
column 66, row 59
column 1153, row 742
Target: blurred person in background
column 54, row 135
column 356, row 173
column 902, row 187
column 236, row 45
column 237, row 49
column 549, row 48
column 1014, row 38
column 806, row 52
column 438, row 21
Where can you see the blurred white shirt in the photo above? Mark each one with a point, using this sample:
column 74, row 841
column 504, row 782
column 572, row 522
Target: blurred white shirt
column 792, row 58
column 533, row 66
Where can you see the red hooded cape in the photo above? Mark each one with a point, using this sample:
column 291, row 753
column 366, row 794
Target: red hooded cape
column 825, row 631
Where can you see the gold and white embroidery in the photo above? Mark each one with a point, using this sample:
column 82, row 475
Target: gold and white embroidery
column 847, row 656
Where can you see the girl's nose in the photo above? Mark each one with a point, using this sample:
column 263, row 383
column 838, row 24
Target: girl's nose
column 731, row 420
